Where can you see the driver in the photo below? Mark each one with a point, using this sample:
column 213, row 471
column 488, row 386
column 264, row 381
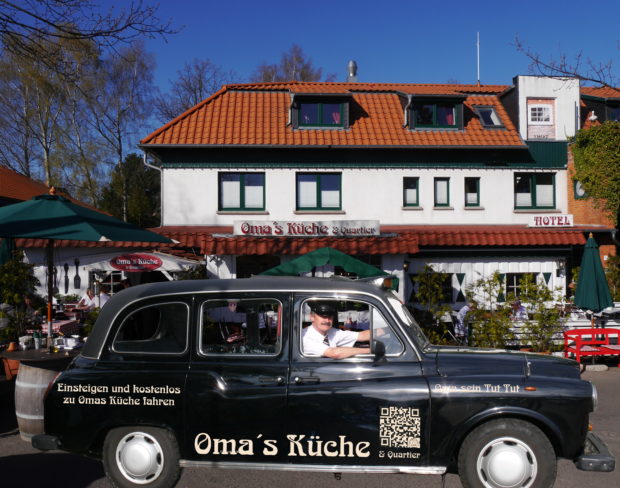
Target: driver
column 321, row 339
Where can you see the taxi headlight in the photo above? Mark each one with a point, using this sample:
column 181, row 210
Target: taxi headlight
column 594, row 397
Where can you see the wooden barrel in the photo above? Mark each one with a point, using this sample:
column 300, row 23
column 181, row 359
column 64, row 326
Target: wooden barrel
column 30, row 387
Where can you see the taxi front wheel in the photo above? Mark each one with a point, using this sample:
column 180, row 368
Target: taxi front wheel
column 507, row 453
column 138, row 456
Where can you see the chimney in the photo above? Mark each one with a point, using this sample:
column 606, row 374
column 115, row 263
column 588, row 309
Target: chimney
column 352, row 67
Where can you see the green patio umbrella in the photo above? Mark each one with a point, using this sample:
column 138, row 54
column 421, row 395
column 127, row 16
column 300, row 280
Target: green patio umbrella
column 592, row 291
column 7, row 248
column 55, row 217
column 320, row 257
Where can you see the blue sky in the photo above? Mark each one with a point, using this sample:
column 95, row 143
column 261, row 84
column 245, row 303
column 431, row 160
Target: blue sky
column 391, row 41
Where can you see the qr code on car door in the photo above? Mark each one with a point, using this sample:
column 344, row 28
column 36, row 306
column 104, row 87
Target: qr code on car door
column 399, row 427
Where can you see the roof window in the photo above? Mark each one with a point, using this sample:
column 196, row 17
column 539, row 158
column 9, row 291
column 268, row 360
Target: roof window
column 488, row 117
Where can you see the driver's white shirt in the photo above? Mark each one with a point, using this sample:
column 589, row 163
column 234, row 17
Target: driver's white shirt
column 312, row 340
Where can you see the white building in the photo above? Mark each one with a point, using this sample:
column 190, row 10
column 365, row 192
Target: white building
column 469, row 178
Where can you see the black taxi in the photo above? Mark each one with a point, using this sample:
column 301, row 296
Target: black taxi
column 309, row 374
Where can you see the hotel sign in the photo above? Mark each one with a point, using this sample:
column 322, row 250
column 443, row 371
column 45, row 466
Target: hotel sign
column 551, row 221
column 284, row 228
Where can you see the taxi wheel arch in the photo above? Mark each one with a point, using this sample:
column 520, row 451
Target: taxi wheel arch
column 141, row 455
column 504, row 451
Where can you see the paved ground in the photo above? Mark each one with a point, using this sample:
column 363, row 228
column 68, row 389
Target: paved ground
column 23, row 466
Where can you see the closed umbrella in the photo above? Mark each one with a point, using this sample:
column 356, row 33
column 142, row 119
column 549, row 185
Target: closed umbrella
column 55, row 217
column 592, row 291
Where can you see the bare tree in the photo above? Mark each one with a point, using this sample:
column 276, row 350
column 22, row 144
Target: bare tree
column 120, row 105
column 579, row 66
column 17, row 144
column 196, row 81
column 293, row 66
column 27, row 26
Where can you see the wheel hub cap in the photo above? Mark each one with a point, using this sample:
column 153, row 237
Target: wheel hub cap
column 506, row 463
column 139, row 457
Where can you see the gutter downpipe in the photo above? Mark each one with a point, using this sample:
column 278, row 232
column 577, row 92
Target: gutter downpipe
column 406, row 114
column 161, row 184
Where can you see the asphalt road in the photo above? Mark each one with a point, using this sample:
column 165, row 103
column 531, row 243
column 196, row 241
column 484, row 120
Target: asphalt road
column 21, row 466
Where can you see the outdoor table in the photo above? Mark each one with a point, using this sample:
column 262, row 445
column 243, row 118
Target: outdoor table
column 37, row 369
column 66, row 327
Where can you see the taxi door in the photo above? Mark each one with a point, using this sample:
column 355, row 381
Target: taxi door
column 357, row 411
column 236, row 387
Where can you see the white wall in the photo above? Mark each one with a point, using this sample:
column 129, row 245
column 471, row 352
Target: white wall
column 565, row 91
column 476, row 268
column 190, row 197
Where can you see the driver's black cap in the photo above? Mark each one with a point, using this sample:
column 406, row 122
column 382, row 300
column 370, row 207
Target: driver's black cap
column 323, row 308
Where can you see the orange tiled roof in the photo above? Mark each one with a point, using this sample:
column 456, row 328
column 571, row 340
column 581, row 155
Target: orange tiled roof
column 15, row 186
column 19, row 187
column 493, row 235
column 395, row 239
column 258, row 115
column 601, row 91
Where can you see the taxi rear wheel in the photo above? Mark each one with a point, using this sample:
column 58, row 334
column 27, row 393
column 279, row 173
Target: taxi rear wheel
column 507, row 453
column 141, row 456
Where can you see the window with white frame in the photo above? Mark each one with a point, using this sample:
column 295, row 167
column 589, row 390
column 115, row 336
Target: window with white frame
column 241, row 191
column 540, row 114
column 515, row 282
column 319, row 191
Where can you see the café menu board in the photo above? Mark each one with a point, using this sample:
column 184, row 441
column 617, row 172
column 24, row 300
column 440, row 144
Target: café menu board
column 282, row 228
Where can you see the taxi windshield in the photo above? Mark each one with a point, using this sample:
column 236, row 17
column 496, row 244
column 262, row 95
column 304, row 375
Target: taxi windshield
column 405, row 316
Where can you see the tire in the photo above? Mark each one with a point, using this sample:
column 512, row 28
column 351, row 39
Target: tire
column 141, row 456
column 507, row 453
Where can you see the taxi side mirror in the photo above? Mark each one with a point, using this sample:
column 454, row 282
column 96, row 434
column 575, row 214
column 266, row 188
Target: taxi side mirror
column 378, row 348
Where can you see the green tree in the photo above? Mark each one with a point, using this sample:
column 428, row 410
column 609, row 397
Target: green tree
column 490, row 318
column 16, row 281
column 596, row 153
column 294, row 65
column 430, row 295
column 543, row 326
column 143, row 192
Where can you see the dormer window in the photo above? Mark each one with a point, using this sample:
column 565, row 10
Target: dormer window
column 488, row 117
column 324, row 111
column 436, row 113
column 321, row 114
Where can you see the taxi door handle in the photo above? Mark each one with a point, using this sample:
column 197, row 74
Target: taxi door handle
column 306, row 380
column 278, row 380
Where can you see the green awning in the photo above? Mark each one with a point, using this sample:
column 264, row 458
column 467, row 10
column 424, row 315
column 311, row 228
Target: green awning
column 326, row 255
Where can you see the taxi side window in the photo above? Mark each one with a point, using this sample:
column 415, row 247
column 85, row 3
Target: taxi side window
column 352, row 316
column 241, row 326
column 160, row 328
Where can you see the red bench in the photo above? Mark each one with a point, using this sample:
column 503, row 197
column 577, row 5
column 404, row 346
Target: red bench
column 591, row 342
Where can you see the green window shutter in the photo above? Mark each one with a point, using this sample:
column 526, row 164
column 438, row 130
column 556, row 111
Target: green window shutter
column 501, row 297
column 460, row 296
column 547, row 277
